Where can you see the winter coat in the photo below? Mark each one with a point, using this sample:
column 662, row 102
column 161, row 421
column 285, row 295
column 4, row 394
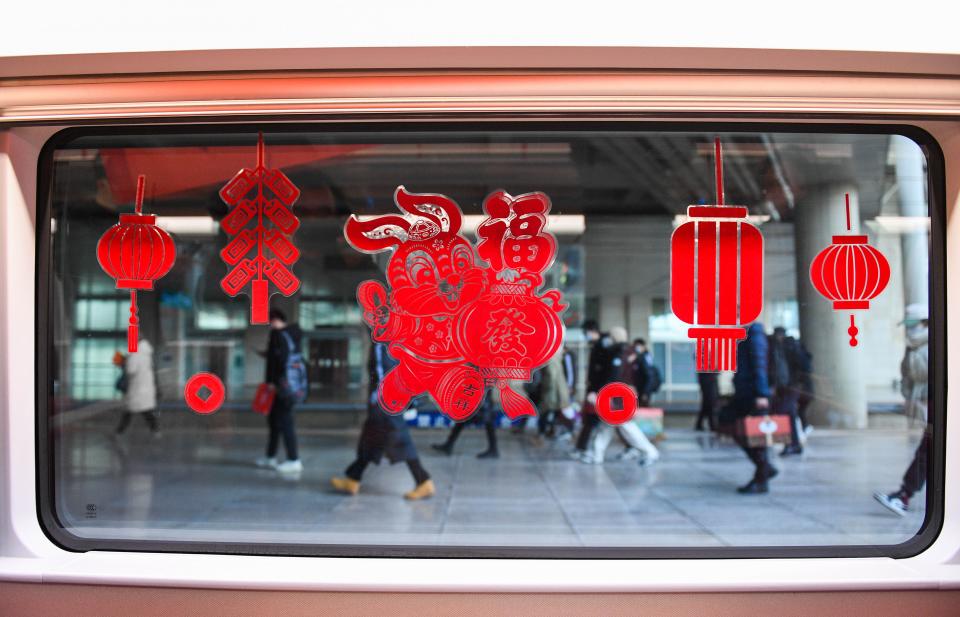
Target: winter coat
column 141, row 394
column 554, row 391
column 598, row 365
column 278, row 350
column 914, row 372
column 383, row 434
column 750, row 381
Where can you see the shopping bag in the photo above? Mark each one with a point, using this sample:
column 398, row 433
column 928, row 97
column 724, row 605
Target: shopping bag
column 263, row 398
column 765, row 430
column 650, row 421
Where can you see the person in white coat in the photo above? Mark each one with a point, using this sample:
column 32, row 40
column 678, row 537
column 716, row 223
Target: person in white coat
column 140, row 396
column 620, row 368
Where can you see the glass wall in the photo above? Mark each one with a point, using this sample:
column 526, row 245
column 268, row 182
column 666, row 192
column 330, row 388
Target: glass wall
column 168, row 474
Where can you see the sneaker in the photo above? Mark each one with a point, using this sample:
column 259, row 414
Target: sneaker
column 290, row 466
column 590, row 459
column 791, row 450
column 345, row 485
column 265, row 461
column 577, row 455
column 424, row 490
column 487, row 454
column 892, row 502
column 808, row 430
column 628, row 454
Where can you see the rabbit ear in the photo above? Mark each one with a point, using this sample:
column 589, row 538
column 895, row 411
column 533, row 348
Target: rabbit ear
column 376, row 234
column 438, row 208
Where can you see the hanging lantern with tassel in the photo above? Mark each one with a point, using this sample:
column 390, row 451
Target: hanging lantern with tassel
column 850, row 273
column 716, row 277
column 136, row 253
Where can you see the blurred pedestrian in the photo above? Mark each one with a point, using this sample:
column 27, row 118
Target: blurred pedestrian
column 751, row 397
column 914, row 374
column 597, row 364
column 709, row 396
column 384, row 434
column 785, row 375
column 487, row 414
column 139, row 387
column 647, row 378
column 282, row 354
column 554, row 394
column 620, row 367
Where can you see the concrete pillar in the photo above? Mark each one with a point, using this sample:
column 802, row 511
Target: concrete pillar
column 911, row 192
column 838, row 371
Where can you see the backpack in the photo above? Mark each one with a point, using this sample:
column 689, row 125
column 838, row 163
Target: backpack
column 654, row 378
column 295, row 385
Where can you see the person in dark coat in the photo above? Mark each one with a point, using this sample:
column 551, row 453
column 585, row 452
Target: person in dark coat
column 601, row 352
column 785, row 383
column 384, row 434
column 751, row 397
column 487, row 415
column 709, row 395
column 281, row 419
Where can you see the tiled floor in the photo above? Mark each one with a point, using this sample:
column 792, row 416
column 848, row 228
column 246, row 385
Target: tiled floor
column 200, row 484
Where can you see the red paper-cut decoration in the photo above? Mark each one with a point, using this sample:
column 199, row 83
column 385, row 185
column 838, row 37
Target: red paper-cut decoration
column 616, row 403
column 716, row 277
column 260, row 221
column 455, row 326
column 850, row 273
column 135, row 252
column 204, row 393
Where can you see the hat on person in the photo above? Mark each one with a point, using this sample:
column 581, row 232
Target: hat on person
column 915, row 312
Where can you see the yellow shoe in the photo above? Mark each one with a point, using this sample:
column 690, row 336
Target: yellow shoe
column 424, row 489
column 346, row 485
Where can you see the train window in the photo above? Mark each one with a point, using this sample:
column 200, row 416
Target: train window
column 709, row 339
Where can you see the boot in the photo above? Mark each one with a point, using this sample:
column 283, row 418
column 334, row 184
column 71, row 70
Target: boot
column 489, row 453
column 424, row 490
column 345, row 485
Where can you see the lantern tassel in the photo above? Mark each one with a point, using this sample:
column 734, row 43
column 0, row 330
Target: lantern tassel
column 514, row 404
column 133, row 330
column 716, row 348
column 853, row 331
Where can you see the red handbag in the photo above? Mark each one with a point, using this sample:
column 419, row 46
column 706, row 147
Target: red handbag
column 263, row 398
column 765, row 430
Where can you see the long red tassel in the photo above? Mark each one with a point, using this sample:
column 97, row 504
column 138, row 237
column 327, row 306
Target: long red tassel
column 514, row 404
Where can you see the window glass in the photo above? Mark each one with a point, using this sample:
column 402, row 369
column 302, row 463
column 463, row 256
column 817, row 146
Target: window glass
column 134, row 465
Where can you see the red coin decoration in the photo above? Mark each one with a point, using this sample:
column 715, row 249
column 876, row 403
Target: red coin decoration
column 616, row 403
column 454, row 325
column 261, row 222
column 135, row 252
column 850, row 273
column 204, row 393
column 716, row 277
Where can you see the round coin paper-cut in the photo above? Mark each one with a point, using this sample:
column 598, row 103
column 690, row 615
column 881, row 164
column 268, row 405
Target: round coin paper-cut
column 204, row 393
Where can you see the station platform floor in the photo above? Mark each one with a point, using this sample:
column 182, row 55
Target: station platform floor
column 198, row 482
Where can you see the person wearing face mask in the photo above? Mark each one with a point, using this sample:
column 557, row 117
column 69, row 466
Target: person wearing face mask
column 600, row 351
column 913, row 386
column 620, row 369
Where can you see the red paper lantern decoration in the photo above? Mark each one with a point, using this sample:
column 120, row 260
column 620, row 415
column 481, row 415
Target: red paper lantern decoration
column 716, row 277
column 511, row 330
column 850, row 273
column 135, row 252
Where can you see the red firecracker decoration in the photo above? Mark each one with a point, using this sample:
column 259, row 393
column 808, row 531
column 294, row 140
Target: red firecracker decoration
column 455, row 326
column 260, row 221
column 135, row 252
column 850, row 273
column 716, row 277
